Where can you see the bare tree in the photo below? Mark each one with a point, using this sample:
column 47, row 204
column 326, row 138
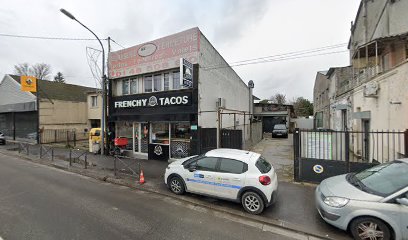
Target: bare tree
column 278, row 98
column 22, row 69
column 59, row 78
column 39, row 70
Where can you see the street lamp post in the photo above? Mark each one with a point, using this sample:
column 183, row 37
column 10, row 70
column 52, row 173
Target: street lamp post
column 68, row 14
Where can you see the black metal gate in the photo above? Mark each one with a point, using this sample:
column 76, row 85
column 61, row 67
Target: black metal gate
column 231, row 138
column 322, row 154
column 208, row 139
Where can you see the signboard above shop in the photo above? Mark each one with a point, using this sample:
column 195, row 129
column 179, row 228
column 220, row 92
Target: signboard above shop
column 160, row 99
column 186, row 70
column 157, row 55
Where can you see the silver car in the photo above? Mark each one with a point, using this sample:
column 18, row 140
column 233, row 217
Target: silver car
column 2, row 139
column 372, row 204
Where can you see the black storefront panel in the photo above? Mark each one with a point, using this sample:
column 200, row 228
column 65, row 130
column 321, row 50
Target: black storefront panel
column 158, row 106
column 158, row 151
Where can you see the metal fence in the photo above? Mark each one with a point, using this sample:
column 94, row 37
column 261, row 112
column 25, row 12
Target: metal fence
column 354, row 146
column 68, row 136
column 322, row 154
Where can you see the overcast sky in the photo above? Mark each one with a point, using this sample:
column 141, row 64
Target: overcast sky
column 238, row 29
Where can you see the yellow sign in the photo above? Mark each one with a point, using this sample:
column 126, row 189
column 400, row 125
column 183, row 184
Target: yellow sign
column 28, row 84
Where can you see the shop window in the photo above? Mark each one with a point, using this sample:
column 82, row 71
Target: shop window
column 148, row 84
column 133, row 86
column 125, row 129
column 160, row 133
column 125, row 87
column 157, row 83
column 180, row 131
column 180, row 140
column 176, row 80
column 166, row 82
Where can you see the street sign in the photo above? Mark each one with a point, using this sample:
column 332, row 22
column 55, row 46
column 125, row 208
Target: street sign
column 186, row 71
column 28, row 84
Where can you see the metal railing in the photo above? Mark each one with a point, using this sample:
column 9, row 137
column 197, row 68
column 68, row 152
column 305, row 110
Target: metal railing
column 127, row 166
column 353, row 146
column 67, row 136
column 78, row 156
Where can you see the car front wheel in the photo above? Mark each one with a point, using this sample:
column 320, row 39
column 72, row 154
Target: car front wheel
column 252, row 202
column 370, row 228
column 176, row 185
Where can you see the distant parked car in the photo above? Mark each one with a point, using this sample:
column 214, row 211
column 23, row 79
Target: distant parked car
column 2, row 139
column 372, row 204
column 235, row 175
column 280, row 130
column 32, row 135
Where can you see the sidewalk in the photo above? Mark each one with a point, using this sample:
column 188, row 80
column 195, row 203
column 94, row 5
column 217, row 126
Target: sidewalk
column 293, row 210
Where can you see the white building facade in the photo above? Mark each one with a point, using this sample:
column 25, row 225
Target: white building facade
column 162, row 113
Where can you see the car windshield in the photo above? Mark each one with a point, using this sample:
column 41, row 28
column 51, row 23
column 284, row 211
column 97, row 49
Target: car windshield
column 263, row 165
column 279, row 127
column 383, row 179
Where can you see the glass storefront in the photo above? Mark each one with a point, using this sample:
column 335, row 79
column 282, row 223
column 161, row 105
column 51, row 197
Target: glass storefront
column 180, row 140
column 125, row 129
column 176, row 135
column 160, row 133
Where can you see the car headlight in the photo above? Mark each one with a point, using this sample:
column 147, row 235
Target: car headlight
column 336, row 202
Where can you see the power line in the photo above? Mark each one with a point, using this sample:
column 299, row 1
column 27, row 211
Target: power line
column 117, row 44
column 297, row 52
column 49, row 38
column 279, row 56
column 272, row 60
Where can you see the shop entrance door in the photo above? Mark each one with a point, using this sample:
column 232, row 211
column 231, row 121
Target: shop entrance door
column 140, row 137
column 144, row 137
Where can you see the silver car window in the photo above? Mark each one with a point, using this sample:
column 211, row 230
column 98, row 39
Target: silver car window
column 386, row 178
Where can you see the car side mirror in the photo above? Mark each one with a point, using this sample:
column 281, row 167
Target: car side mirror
column 192, row 168
column 402, row 201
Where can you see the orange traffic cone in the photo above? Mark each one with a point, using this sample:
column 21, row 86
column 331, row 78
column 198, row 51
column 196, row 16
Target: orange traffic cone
column 141, row 179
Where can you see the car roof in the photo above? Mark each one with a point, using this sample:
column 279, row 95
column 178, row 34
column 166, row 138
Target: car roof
column 242, row 155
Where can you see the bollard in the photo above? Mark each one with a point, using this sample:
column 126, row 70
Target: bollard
column 70, row 157
column 52, row 154
column 40, row 151
column 114, row 165
column 86, row 162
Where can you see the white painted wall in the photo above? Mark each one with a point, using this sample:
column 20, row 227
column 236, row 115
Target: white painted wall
column 222, row 82
column 393, row 87
column 10, row 92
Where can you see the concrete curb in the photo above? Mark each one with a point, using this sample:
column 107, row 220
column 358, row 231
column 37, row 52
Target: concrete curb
column 272, row 225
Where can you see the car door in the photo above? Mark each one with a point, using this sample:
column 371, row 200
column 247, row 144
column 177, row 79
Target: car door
column 229, row 178
column 404, row 217
column 201, row 179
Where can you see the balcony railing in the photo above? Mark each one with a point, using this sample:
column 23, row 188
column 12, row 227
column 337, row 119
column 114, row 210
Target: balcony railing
column 361, row 76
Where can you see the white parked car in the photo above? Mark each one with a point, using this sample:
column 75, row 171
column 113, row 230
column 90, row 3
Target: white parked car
column 229, row 174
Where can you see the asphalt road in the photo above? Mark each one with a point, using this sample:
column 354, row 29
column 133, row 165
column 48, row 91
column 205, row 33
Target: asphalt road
column 39, row 202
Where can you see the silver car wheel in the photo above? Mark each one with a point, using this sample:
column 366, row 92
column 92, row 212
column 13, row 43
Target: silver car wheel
column 370, row 230
column 175, row 186
column 252, row 203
